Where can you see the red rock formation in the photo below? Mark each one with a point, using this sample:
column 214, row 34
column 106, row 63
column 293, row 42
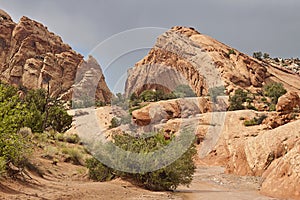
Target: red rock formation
column 288, row 102
column 203, row 63
column 30, row 56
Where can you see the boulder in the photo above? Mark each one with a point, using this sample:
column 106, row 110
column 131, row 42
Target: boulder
column 288, row 102
column 282, row 178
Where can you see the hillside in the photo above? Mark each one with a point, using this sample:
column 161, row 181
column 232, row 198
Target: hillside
column 183, row 55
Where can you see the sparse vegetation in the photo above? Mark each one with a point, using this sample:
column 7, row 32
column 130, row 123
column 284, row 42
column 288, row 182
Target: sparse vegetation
column 74, row 156
column 184, row 91
column 239, row 98
column 255, row 121
column 230, row 51
column 98, row 171
column 274, row 91
column 114, row 123
column 258, row 55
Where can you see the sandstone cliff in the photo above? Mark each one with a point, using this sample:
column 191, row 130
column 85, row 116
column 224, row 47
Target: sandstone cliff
column 31, row 56
column 203, row 63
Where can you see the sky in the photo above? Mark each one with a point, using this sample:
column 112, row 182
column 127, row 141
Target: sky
column 121, row 32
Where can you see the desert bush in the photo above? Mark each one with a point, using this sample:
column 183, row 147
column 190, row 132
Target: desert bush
column 230, row 51
column 238, row 99
column 98, row 171
column 258, row 55
column 114, row 122
column 30, row 112
column 255, row 121
column 2, row 166
column 266, row 55
column 272, row 107
column 166, row 178
column 74, row 156
column 184, row 91
column 60, row 137
column 72, row 138
column 274, row 91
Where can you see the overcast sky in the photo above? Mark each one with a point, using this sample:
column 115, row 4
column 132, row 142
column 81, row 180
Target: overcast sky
column 271, row 26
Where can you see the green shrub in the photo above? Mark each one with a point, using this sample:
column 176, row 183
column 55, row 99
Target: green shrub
column 60, row 137
column 73, row 138
column 98, row 171
column 238, row 99
column 31, row 112
column 2, row 166
column 167, row 178
column 75, row 156
column 114, row 122
column 184, row 91
column 230, row 51
column 258, row 55
column 272, row 107
column 255, row 121
column 274, row 91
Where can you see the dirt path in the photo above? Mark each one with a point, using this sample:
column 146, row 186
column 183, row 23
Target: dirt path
column 210, row 183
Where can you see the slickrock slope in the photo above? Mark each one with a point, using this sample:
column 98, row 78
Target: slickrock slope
column 273, row 154
column 203, row 63
column 31, row 56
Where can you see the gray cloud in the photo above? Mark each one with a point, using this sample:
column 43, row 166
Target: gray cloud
column 271, row 26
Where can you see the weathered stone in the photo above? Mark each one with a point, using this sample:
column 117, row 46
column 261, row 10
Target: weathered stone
column 288, row 102
column 30, row 54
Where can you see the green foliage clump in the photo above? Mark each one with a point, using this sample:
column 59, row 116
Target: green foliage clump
column 184, row 91
column 75, row 156
column 274, row 91
column 266, row 55
column 230, row 51
column 258, row 55
column 114, row 122
column 238, row 99
column 98, row 171
column 2, row 166
column 167, row 178
column 36, row 111
column 255, row 121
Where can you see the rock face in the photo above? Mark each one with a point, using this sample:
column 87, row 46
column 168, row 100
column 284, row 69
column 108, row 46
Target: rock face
column 165, row 110
column 272, row 154
column 288, row 102
column 203, row 63
column 90, row 82
column 32, row 57
column 283, row 176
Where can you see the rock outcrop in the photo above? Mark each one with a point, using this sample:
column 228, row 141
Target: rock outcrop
column 31, row 56
column 282, row 178
column 165, row 110
column 90, row 82
column 271, row 154
column 288, row 102
column 203, row 63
